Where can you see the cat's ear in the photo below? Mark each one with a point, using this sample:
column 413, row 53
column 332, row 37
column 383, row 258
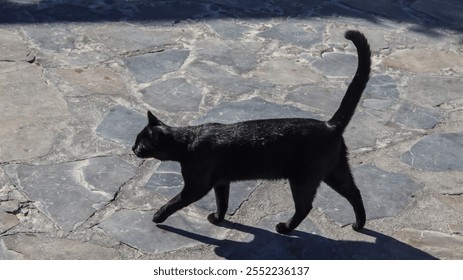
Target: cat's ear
column 153, row 121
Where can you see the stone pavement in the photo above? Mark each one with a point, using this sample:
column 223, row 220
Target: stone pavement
column 77, row 77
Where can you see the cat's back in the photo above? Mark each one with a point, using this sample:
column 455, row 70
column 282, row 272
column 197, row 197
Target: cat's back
column 257, row 133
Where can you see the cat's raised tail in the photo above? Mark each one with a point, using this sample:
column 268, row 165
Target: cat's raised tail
column 346, row 110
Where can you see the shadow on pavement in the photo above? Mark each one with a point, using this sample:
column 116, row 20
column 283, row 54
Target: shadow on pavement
column 267, row 245
column 171, row 12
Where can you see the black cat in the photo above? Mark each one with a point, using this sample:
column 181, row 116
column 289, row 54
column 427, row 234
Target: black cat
column 304, row 151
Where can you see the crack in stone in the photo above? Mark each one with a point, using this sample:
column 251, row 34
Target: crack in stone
column 156, row 49
column 247, row 199
column 453, row 194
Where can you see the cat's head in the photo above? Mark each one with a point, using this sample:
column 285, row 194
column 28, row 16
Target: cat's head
column 154, row 141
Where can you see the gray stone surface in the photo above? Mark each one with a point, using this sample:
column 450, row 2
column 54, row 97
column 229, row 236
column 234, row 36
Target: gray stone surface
column 416, row 117
column 377, row 104
column 173, row 95
column 385, row 194
column 336, row 65
column 11, row 47
column 367, row 128
column 382, row 87
column 287, row 72
column 293, row 32
column 99, row 80
column 76, row 80
column 437, row 152
column 69, row 193
column 56, row 38
column 318, row 97
column 438, row 244
column 424, row 61
column 121, row 125
column 136, row 229
column 37, row 247
column 127, row 39
column 149, row 67
column 31, row 112
column 222, row 80
column 228, row 29
column 10, row 206
column 7, row 221
column 434, row 90
column 242, row 57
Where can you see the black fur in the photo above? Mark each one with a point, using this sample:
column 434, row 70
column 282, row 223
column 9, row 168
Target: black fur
column 304, row 151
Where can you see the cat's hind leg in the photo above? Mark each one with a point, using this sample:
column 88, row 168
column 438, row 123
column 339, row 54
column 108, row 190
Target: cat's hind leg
column 342, row 181
column 303, row 191
column 222, row 192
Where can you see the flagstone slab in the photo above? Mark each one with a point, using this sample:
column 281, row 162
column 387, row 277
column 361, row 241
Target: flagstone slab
column 287, row 72
column 127, row 38
column 149, row 67
column 438, row 244
column 385, row 194
column 424, row 61
column 319, row 97
column 336, row 64
column 437, row 152
column 377, row 104
column 173, row 95
column 7, row 221
column 294, row 32
column 12, row 46
column 136, row 229
column 367, row 127
column 10, row 206
column 87, row 81
column 52, row 37
column 122, row 125
column 433, row 90
column 416, row 117
column 228, row 29
column 455, row 202
column 36, row 247
column 223, row 80
column 69, row 193
column 382, row 87
column 242, row 57
column 32, row 112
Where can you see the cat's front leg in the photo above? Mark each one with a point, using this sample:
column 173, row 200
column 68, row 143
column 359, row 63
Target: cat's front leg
column 189, row 194
column 168, row 209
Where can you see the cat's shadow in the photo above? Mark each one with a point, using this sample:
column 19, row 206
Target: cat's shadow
column 267, row 245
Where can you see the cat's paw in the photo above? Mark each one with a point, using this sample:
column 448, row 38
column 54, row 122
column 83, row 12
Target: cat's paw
column 214, row 219
column 357, row 226
column 282, row 228
column 158, row 217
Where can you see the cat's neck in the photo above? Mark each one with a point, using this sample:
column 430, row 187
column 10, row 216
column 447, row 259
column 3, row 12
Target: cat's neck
column 181, row 138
